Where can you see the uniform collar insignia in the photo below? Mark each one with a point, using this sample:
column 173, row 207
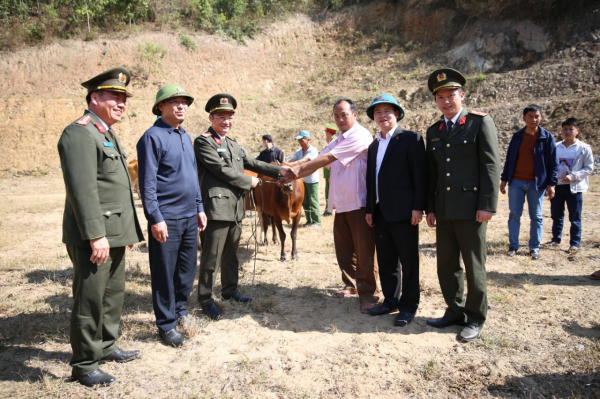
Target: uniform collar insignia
column 462, row 120
column 217, row 140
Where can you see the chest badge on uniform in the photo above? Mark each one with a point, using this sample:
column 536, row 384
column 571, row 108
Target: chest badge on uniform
column 108, row 144
column 462, row 120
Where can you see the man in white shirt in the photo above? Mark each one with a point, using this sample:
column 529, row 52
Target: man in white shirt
column 396, row 198
column 310, row 203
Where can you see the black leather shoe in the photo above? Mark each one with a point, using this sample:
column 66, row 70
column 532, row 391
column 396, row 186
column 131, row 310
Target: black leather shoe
column 120, row 356
column 238, row 298
column 470, row 332
column 96, row 377
column 403, row 318
column 444, row 322
column 382, row 309
column 212, row 310
column 172, row 337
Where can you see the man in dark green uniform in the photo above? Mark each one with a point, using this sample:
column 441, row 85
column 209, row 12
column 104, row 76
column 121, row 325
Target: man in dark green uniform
column 330, row 132
column 464, row 173
column 99, row 221
column 221, row 163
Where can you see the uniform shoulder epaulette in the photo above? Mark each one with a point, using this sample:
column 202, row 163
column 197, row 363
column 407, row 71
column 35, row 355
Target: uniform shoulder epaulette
column 207, row 134
column 479, row 113
column 84, row 120
column 100, row 128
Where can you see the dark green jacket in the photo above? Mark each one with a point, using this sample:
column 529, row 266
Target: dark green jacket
column 99, row 201
column 464, row 167
column 221, row 174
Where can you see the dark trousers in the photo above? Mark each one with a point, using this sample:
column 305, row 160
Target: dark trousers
column 464, row 239
column 397, row 246
column 98, row 293
column 355, row 251
column 574, row 203
column 220, row 241
column 173, row 268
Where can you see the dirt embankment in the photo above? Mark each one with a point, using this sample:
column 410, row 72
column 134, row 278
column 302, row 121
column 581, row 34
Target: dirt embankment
column 287, row 78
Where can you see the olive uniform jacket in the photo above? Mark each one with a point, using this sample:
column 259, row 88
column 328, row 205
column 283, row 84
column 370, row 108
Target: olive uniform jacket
column 463, row 166
column 99, row 201
column 221, row 164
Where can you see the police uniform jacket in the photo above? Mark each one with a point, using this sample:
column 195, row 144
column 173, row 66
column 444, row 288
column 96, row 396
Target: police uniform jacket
column 221, row 164
column 99, row 201
column 464, row 167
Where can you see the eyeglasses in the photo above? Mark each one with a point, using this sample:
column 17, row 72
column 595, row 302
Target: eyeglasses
column 222, row 118
column 177, row 103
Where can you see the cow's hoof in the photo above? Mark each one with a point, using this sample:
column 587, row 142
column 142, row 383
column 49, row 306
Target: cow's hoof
column 295, row 257
column 283, row 259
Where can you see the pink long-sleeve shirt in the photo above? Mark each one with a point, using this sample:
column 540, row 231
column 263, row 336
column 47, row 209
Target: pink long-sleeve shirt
column 347, row 184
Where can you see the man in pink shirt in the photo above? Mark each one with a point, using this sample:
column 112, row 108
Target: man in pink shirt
column 353, row 238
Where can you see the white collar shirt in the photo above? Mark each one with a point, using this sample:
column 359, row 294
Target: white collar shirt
column 454, row 118
column 382, row 147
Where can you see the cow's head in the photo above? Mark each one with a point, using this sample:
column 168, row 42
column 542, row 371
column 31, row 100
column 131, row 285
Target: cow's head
column 287, row 188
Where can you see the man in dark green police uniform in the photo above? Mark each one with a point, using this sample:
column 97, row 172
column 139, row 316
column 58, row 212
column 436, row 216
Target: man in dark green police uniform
column 464, row 173
column 99, row 221
column 221, row 163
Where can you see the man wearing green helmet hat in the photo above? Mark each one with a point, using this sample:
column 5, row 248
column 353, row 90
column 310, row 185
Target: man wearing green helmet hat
column 396, row 194
column 173, row 206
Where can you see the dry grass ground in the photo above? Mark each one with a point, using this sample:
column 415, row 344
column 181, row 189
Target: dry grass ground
column 297, row 341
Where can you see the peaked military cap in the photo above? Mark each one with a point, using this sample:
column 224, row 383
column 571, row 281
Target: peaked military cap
column 220, row 103
column 331, row 128
column 170, row 91
column 385, row 99
column 115, row 79
column 445, row 78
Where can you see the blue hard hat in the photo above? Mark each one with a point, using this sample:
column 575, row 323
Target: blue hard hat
column 385, row 99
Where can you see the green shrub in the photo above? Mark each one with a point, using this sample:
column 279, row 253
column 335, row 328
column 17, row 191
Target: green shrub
column 187, row 42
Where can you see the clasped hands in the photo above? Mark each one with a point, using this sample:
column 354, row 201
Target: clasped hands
column 288, row 174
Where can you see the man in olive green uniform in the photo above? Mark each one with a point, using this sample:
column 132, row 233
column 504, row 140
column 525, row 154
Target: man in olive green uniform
column 330, row 132
column 464, row 171
column 221, row 163
column 99, row 222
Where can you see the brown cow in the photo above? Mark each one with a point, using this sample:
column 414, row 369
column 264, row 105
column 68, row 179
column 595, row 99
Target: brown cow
column 281, row 203
column 132, row 167
column 249, row 205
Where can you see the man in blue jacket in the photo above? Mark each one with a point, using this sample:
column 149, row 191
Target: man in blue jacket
column 172, row 202
column 531, row 169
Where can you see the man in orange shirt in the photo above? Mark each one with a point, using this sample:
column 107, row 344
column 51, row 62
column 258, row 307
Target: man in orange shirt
column 531, row 169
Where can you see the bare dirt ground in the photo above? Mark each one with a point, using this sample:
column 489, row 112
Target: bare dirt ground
column 296, row 340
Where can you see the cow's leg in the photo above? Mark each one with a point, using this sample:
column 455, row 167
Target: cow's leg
column 279, row 225
column 264, row 226
column 294, row 234
column 275, row 239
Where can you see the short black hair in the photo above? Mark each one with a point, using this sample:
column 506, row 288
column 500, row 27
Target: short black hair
column 353, row 106
column 571, row 122
column 268, row 138
column 532, row 108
